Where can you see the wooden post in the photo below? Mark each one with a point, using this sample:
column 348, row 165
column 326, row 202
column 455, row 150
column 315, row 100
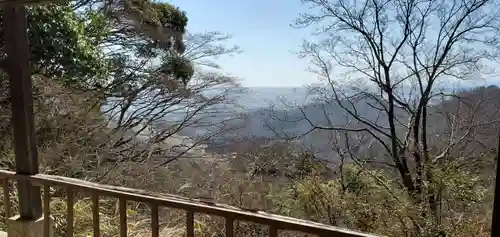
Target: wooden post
column 17, row 47
column 495, row 220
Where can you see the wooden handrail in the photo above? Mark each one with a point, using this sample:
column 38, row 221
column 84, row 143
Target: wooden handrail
column 191, row 206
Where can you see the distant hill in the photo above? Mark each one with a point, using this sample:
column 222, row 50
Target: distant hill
column 263, row 97
column 284, row 122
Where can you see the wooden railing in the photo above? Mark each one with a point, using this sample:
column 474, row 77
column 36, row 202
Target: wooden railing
column 230, row 214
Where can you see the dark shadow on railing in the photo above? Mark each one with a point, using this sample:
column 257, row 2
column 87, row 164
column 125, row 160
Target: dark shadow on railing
column 230, row 214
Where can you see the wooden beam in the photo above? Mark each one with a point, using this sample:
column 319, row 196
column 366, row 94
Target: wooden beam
column 16, row 46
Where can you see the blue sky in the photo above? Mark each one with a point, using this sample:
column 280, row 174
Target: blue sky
column 262, row 29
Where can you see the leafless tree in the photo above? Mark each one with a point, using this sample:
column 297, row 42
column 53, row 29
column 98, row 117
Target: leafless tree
column 394, row 56
column 147, row 116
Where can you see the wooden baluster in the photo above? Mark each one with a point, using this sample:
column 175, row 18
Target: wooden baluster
column 155, row 228
column 95, row 215
column 46, row 211
column 6, row 197
column 190, row 223
column 69, row 215
column 123, row 217
column 229, row 227
column 273, row 231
